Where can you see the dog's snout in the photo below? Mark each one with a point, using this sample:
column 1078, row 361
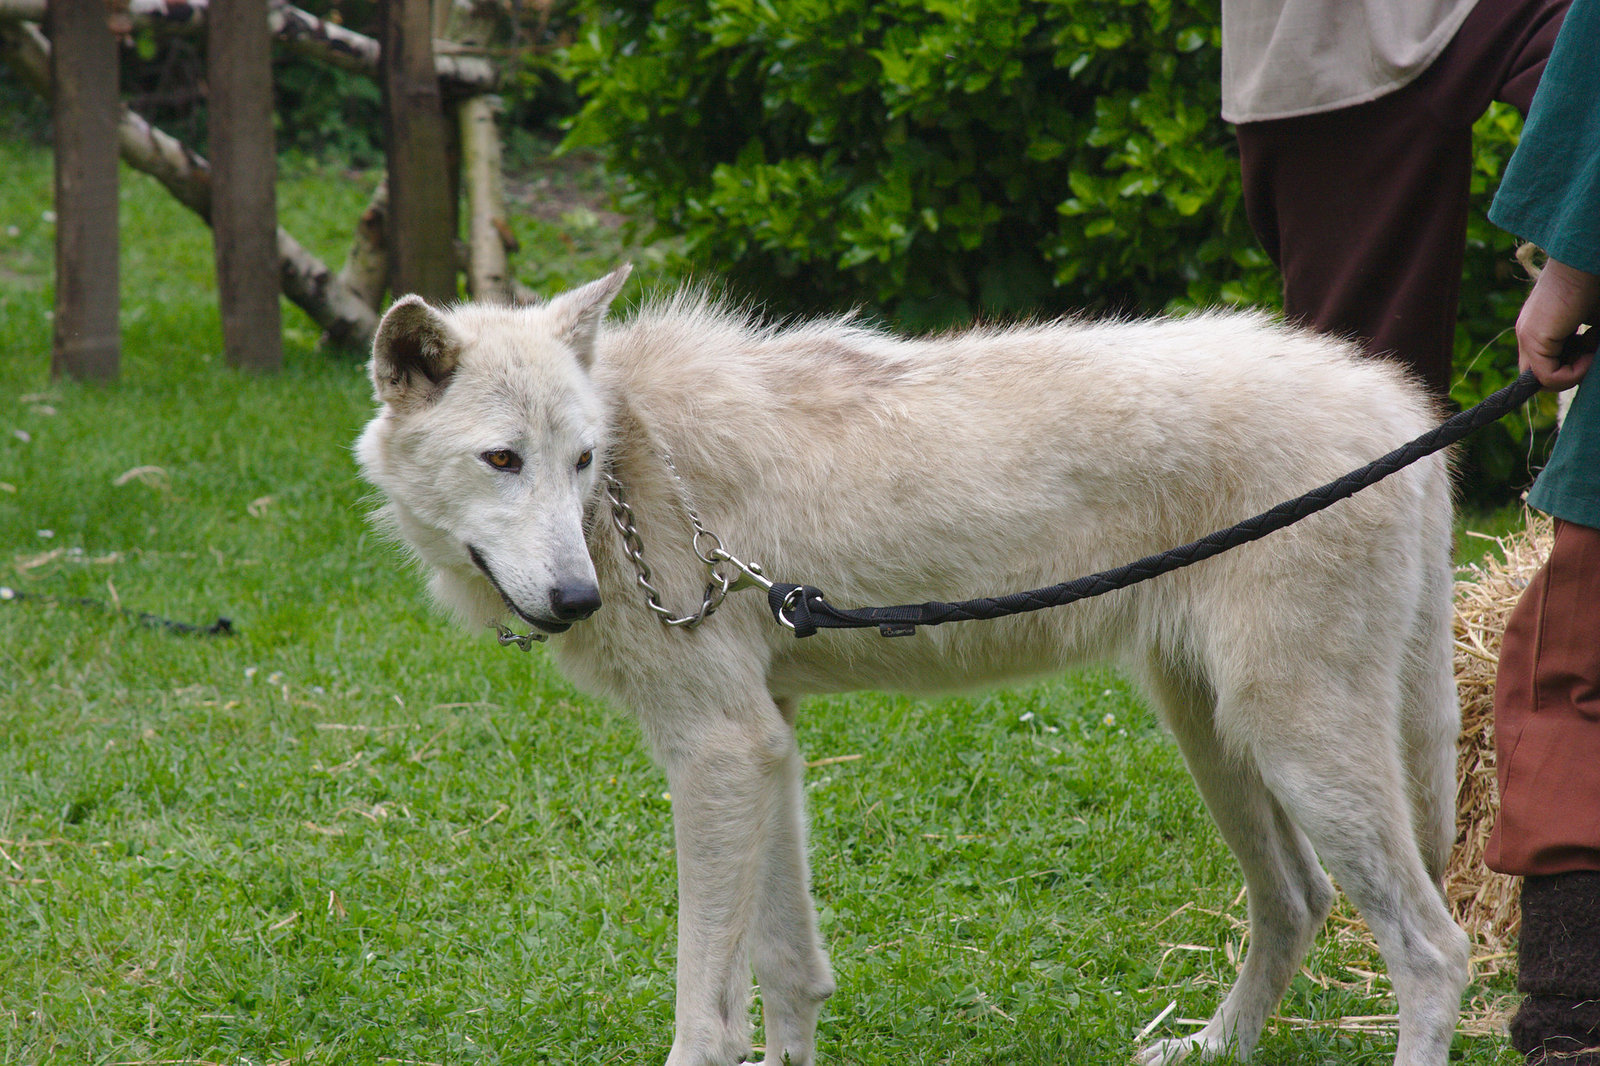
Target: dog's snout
column 574, row 602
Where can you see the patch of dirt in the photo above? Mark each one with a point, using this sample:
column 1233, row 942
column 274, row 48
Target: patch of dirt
column 555, row 186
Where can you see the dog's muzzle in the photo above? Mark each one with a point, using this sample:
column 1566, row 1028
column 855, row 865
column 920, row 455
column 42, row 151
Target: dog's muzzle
column 568, row 603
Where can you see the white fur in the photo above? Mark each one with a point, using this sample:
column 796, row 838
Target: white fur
column 1306, row 677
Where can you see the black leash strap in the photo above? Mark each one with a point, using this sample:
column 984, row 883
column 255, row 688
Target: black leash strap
column 806, row 609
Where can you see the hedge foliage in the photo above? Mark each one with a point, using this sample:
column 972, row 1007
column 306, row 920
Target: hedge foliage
column 939, row 160
column 934, row 158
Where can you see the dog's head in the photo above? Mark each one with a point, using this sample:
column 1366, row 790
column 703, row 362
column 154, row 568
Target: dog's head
column 488, row 443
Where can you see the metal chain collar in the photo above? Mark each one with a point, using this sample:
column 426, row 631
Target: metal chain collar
column 707, row 548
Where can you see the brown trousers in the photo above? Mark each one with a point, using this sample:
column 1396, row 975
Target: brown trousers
column 1547, row 716
column 1364, row 209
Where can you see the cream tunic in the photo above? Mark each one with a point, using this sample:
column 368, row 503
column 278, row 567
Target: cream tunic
column 1283, row 58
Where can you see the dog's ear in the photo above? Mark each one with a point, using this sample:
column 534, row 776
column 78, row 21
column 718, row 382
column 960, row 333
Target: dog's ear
column 413, row 355
column 578, row 313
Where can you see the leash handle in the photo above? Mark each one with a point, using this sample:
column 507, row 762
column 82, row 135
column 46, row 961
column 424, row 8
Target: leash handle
column 805, row 609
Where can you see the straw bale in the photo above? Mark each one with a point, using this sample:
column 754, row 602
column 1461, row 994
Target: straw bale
column 1484, row 902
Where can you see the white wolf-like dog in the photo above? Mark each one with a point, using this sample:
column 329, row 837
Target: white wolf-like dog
column 1306, row 677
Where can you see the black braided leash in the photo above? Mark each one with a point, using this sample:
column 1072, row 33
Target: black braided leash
column 806, row 609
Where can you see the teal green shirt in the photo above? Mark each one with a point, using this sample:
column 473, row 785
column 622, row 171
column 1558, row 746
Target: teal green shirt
column 1569, row 487
column 1551, row 196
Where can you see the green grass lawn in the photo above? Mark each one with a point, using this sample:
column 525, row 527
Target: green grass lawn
column 349, row 834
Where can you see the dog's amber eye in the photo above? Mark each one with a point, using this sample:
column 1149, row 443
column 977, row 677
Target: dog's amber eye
column 585, row 459
column 503, row 459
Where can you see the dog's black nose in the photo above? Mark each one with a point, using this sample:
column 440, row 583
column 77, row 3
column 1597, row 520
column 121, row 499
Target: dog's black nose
column 574, row 603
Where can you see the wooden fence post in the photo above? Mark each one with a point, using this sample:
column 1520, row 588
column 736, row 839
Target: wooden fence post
column 85, row 109
column 421, row 223
column 244, row 172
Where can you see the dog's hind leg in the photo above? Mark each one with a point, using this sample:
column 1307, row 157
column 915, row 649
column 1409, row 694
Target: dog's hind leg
column 791, row 964
column 1430, row 724
column 1289, row 895
column 1335, row 765
column 733, row 772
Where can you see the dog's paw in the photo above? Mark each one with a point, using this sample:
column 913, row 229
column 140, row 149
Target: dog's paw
column 1165, row 1052
column 1200, row 1047
column 721, row 1056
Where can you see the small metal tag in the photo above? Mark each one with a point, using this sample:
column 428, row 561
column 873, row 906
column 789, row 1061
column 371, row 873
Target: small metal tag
column 525, row 641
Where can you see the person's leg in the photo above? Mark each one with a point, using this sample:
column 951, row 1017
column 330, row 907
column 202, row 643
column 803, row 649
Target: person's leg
column 1364, row 209
column 1547, row 736
column 1547, row 716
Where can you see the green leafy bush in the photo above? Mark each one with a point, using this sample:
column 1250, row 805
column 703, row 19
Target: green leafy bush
column 933, row 158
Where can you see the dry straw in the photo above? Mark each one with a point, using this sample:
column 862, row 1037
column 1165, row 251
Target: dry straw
column 1484, row 902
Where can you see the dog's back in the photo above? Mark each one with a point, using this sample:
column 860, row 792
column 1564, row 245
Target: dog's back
column 885, row 470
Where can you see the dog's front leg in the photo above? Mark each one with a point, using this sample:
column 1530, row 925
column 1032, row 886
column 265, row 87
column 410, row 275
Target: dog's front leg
column 724, row 802
column 791, row 964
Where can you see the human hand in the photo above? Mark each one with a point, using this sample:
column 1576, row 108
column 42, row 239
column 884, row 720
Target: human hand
column 1563, row 298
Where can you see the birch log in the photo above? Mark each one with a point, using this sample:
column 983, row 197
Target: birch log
column 332, row 43
column 488, row 273
column 307, row 282
column 476, row 25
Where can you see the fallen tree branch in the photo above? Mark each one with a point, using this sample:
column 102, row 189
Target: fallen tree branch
column 366, row 265
column 301, row 31
column 332, row 43
column 307, row 282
